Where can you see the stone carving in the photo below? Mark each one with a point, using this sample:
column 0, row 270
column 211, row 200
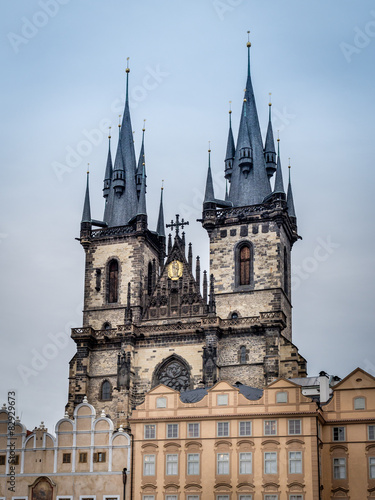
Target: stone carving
column 175, row 375
column 123, row 370
column 209, row 365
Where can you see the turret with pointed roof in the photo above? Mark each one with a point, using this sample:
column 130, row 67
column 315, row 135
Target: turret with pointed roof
column 86, row 214
column 160, row 229
column 289, row 199
column 269, row 147
column 279, row 184
column 231, row 150
column 108, row 182
column 141, row 169
column 209, row 196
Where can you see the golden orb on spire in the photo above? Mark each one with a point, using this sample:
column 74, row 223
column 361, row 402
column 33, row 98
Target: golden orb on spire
column 248, row 39
column 109, row 132
column 127, row 65
column 230, row 107
column 88, row 168
column 270, row 103
column 162, row 184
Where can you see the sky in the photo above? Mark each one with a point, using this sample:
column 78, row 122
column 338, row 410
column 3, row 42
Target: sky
column 63, row 84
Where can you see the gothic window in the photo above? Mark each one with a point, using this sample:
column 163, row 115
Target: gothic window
column 173, row 373
column 286, row 272
column 149, row 279
column 105, row 392
column 244, row 264
column 113, row 281
column 243, row 357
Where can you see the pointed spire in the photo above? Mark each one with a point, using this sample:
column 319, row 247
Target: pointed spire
column 198, row 273
column 212, row 301
column 160, row 228
column 86, row 214
column 108, row 181
column 142, row 196
column 169, row 243
column 190, row 257
column 249, row 184
column 205, row 287
column 141, row 161
column 209, row 196
column 269, row 147
column 125, row 202
column 289, row 198
column 279, row 185
column 231, row 150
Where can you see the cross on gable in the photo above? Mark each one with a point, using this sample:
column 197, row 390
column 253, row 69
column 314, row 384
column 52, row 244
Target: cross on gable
column 177, row 224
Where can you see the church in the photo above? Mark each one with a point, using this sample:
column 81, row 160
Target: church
column 186, row 383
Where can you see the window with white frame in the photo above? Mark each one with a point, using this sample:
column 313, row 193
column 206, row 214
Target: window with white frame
column 245, row 428
column 148, row 497
column 111, row 497
column 371, row 467
column 270, row 462
column 172, row 431
column 246, row 463
column 245, row 497
column 223, row 429
column 171, row 468
column 295, row 462
column 338, row 433
column 371, row 432
column 193, row 430
column 161, row 403
column 294, row 427
column 192, row 497
column 91, row 497
column 271, row 497
column 150, row 431
column 193, row 464
column 222, row 497
column 222, row 399
column 270, row 427
column 223, row 463
column 64, row 497
column 295, row 497
column 359, row 403
column 149, row 465
column 170, row 497
column 281, row 397
column 339, row 468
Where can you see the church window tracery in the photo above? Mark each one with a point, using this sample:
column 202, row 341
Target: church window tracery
column 173, row 373
column 105, row 391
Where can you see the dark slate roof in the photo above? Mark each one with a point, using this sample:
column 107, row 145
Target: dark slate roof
column 279, row 185
column 231, row 150
column 86, row 214
column 209, row 193
column 196, row 395
column 289, row 199
column 160, row 228
column 269, row 146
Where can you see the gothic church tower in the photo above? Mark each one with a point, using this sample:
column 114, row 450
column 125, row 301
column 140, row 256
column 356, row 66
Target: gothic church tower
column 148, row 316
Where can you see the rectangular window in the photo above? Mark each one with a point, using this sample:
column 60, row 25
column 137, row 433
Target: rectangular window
column 270, row 427
column 66, row 458
column 193, row 430
column 245, row 497
column 83, row 497
column 223, row 429
column 295, row 462
column 246, row 463
column 270, row 462
column 2, row 459
column 83, row 458
column 99, row 457
column 245, row 428
column 372, row 467
column 150, row 431
column 282, row 397
column 170, row 497
column 161, row 403
column 223, row 463
column 193, row 464
column 295, row 497
column 339, row 468
column 192, row 497
column 222, row 497
column 222, row 399
column 371, row 432
column 338, row 433
column 149, row 465
column 172, row 465
column 270, row 497
column 59, row 498
column 294, row 427
column 148, row 497
column 117, row 497
column 359, row 404
column 172, row 431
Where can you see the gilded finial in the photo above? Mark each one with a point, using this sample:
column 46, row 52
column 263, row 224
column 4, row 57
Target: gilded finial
column 119, row 121
column 270, row 103
column 162, row 184
column 278, row 136
column 127, row 65
column 88, row 168
column 109, row 132
column 248, row 39
column 230, row 107
column 144, row 125
column 209, row 146
column 289, row 163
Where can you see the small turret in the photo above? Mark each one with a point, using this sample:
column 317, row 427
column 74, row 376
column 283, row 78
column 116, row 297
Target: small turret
column 231, row 150
column 209, row 196
column 279, row 184
column 86, row 214
column 141, row 163
column 289, row 199
column 160, row 227
column 269, row 147
column 245, row 161
column 108, row 182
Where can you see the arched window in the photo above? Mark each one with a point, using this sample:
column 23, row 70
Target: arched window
column 149, row 279
column 243, row 354
column 286, row 273
column 113, row 281
column 105, row 391
column 245, row 265
column 172, row 372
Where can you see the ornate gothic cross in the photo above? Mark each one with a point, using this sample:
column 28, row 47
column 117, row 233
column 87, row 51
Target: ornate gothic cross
column 177, row 224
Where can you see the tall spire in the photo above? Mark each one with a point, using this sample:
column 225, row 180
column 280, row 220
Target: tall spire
column 289, row 198
column 249, row 185
column 209, row 194
column 231, row 150
column 160, row 225
column 141, row 161
column 269, row 147
column 86, row 214
column 142, row 195
column 125, row 200
column 279, row 185
column 108, row 181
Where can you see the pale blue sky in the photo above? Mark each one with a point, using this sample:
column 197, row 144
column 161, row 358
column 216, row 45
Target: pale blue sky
column 63, row 78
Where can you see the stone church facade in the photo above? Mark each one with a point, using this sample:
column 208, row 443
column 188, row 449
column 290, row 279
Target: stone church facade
column 150, row 315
